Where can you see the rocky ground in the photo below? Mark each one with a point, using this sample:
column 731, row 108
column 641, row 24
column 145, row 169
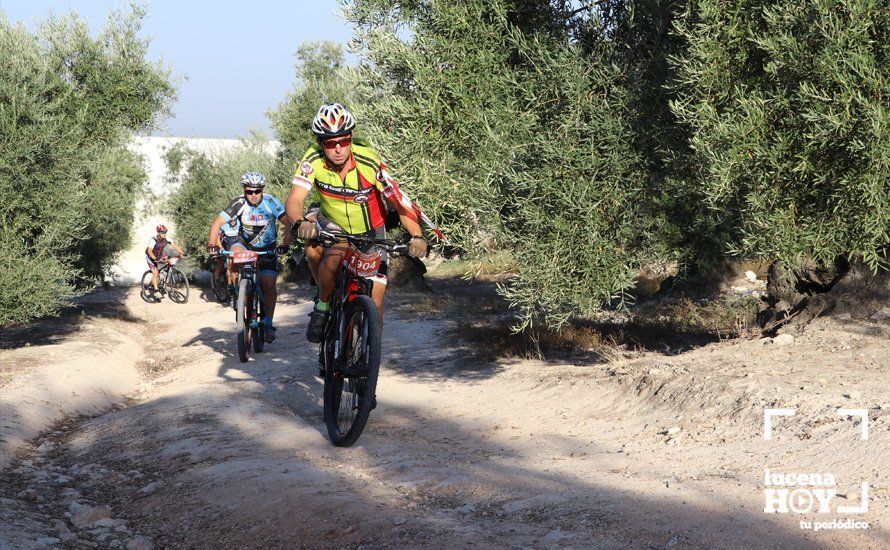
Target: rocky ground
column 135, row 426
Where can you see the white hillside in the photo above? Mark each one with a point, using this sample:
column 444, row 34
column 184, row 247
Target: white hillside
column 131, row 264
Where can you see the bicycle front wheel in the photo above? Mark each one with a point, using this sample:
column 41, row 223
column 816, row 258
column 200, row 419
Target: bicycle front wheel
column 350, row 384
column 243, row 317
column 177, row 286
column 147, row 291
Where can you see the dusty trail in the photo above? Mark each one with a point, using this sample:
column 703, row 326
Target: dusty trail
column 651, row 452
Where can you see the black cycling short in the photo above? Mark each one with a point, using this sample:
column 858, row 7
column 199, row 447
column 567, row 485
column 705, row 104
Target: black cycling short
column 228, row 241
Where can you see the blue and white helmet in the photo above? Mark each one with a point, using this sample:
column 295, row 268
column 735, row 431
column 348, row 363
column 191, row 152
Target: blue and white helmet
column 253, row 179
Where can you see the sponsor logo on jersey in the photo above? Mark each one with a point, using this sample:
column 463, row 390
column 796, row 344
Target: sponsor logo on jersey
column 306, row 168
column 337, row 189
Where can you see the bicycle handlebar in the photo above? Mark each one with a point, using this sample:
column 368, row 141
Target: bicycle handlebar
column 389, row 245
column 257, row 252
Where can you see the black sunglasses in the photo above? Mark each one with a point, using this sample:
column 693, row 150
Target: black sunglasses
column 255, row 192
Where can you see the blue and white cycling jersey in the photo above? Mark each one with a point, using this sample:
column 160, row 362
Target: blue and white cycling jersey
column 231, row 228
column 257, row 222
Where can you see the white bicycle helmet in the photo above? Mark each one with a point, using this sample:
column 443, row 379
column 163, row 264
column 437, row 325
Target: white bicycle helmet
column 253, row 179
column 332, row 119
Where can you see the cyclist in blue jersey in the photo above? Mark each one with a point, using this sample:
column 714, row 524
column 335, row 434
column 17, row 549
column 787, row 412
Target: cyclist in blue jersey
column 257, row 212
column 229, row 235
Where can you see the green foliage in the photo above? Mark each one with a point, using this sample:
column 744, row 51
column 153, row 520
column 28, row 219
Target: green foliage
column 511, row 143
column 67, row 105
column 642, row 41
column 787, row 104
column 573, row 222
column 206, row 185
column 322, row 77
column 116, row 90
column 32, row 284
column 585, row 139
column 115, row 178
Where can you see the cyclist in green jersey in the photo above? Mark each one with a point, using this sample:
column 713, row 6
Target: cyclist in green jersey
column 348, row 177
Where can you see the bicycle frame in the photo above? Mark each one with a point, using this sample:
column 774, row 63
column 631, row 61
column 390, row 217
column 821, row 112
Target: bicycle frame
column 249, row 269
column 350, row 285
column 164, row 272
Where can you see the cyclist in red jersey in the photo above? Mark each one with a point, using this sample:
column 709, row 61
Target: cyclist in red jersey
column 155, row 252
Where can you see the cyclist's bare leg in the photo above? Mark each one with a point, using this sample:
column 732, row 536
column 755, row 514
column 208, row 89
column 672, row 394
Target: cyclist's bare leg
column 377, row 293
column 328, row 270
column 217, row 269
column 314, row 254
column 270, row 294
column 235, row 269
column 154, row 277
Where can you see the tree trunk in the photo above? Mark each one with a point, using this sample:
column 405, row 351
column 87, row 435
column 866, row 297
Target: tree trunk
column 406, row 272
column 845, row 290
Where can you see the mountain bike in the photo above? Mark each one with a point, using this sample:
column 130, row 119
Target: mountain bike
column 350, row 348
column 249, row 309
column 220, row 284
column 171, row 281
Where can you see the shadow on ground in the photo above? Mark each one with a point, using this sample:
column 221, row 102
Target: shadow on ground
column 98, row 304
column 480, row 321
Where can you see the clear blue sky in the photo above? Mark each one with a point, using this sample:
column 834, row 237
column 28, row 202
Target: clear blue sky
column 237, row 55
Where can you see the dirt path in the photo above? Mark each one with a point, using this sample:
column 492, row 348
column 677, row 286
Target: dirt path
column 651, row 452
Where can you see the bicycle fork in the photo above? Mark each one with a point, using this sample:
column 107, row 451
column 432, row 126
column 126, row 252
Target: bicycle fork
column 337, row 340
column 330, row 333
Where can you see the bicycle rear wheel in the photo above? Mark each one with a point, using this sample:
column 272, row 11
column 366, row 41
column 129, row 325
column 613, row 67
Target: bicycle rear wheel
column 350, row 385
column 243, row 317
column 177, row 286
